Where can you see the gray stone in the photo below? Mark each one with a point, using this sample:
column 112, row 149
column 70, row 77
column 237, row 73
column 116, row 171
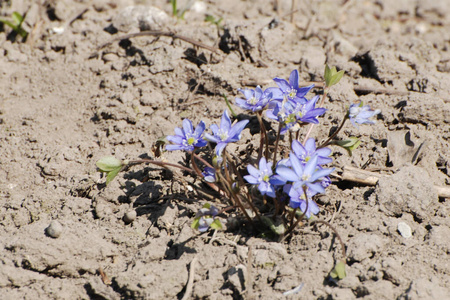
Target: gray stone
column 54, row 230
column 140, row 17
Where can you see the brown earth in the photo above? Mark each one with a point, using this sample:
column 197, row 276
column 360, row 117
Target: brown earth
column 65, row 103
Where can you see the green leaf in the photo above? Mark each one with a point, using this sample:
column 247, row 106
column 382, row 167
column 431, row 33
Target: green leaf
column 174, row 7
column 351, row 144
column 348, row 143
column 278, row 229
column 17, row 18
column 339, row 271
column 196, row 223
column 10, row 24
column 216, row 224
column 207, row 206
column 112, row 174
column 332, row 76
column 108, row 163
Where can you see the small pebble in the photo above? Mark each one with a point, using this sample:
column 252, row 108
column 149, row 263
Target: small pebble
column 54, row 230
column 129, row 216
column 404, row 229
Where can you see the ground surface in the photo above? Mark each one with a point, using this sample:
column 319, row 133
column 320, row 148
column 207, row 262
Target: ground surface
column 64, row 105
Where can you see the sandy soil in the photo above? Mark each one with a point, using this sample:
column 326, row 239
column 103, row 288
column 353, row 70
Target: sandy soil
column 64, row 104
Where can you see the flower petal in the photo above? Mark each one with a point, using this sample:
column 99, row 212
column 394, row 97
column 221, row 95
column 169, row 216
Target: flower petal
column 211, row 138
column 297, row 165
column 282, row 84
column 301, row 92
column 287, row 173
column 199, row 129
column 219, row 148
column 225, row 123
column 187, row 126
column 235, row 131
column 250, row 179
column 321, row 173
column 293, row 79
column 253, row 171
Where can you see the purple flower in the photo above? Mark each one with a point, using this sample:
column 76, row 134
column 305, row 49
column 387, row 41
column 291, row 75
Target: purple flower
column 360, row 114
column 291, row 113
column 297, row 200
column 304, row 153
column 290, row 90
column 209, row 174
column 307, row 112
column 225, row 133
column 308, row 174
column 186, row 138
column 206, row 216
column 255, row 100
column 263, row 177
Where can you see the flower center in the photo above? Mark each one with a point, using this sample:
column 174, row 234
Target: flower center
column 305, row 177
column 290, row 119
column 354, row 111
column 191, row 141
column 292, row 93
column 252, row 101
column 266, row 178
column 223, row 135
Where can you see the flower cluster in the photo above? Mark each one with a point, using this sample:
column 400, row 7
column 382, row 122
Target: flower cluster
column 298, row 176
column 277, row 193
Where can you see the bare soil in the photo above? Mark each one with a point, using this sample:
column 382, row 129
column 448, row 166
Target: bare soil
column 65, row 102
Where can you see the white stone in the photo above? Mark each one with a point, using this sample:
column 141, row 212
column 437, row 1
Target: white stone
column 404, row 230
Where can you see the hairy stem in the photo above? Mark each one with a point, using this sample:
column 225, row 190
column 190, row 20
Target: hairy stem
column 276, row 144
column 311, row 126
column 292, row 227
column 324, row 144
column 161, row 164
column 242, row 183
column 264, row 137
column 344, row 253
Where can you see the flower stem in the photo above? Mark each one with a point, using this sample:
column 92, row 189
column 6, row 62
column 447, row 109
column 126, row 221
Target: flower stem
column 325, row 92
column 228, row 183
column 264, row 137
column 202, row 160
column 242, row 183
column 324, row 144
column 276, row 144
column 161, row 164
column 199, row 173
column 344, row 253
column 292, row 227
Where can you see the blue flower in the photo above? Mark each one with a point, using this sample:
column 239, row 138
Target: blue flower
column 290, row 90
column 255, row 100
column 308, row 174
column 293, row 113
column 209, row 174
column 308, row 112
column 186, row 138
column 298, row 200
column 263, row 177
column 359, row 113
column 225, row 133
column 305, row 153
column 206, row 216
